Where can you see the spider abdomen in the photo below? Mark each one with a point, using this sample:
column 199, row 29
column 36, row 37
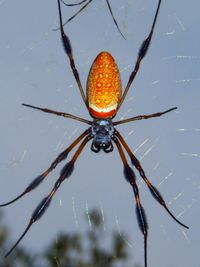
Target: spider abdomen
column 103, row 87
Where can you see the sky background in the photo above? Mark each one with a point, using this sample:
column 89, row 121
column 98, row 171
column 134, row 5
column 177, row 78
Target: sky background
column 35, row 70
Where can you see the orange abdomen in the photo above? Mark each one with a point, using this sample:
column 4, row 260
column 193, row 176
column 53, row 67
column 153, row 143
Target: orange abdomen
column 103, row 87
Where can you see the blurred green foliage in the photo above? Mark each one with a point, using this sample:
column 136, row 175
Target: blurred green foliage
column 71, row 250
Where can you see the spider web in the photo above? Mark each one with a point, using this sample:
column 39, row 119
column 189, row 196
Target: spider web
column 34, row 70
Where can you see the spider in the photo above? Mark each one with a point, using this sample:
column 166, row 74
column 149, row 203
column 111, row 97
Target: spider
column 103, row 99
column 84, row 6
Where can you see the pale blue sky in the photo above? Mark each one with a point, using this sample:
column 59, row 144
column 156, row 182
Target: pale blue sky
column 35, row 70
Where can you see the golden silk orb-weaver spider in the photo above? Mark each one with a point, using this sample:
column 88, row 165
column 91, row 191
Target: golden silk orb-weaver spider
column 103, row 100
column 84, row 4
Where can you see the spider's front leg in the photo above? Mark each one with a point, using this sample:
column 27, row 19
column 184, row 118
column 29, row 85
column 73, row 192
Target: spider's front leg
column 75, row 4
column 78, row 12
column 141, row 54
column 84, row 6
column 68, row 50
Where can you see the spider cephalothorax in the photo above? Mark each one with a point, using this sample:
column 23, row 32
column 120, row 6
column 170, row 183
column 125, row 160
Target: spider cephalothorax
column 103, row 99
column 102, row 131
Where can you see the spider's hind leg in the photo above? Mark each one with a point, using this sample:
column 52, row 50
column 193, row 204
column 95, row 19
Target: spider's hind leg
column 38, row 180
column 154, row 191
column 44, row 204
column 130, row 177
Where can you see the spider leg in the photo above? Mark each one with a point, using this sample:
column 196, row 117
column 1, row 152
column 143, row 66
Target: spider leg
column 141, row 54
column 66, row 115
column 78, row 12
column 44, row 204
column 114, row 20
column 68, row 50
column 76, row 4
column 38, row 180
column 130, row 177
column 154, row 191
column 81, row 9
column 141, row 117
